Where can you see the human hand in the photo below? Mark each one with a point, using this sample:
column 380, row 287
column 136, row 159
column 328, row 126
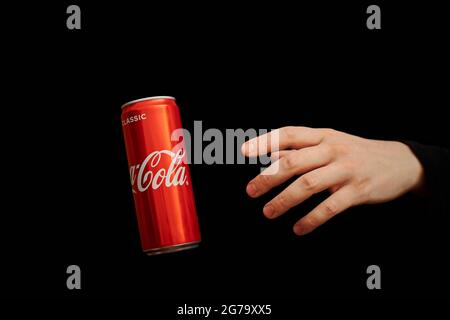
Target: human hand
column 355, row 170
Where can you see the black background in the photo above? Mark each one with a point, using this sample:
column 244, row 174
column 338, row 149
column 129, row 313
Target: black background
column 68, row 198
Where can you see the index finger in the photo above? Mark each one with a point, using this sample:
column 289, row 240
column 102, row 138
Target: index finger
column 280, row 139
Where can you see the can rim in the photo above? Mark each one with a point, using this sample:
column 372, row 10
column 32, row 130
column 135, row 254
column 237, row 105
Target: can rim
column 172, row 248
column 146, row 98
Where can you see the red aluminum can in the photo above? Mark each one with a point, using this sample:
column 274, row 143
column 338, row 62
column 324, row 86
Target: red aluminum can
column 160, row 176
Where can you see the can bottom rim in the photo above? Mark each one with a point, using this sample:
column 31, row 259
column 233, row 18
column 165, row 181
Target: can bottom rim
column 174, row 248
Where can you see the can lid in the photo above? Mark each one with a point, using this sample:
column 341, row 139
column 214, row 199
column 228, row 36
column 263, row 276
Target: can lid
column 147, row 98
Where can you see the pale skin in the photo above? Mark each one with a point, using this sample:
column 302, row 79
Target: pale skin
column 353, row 169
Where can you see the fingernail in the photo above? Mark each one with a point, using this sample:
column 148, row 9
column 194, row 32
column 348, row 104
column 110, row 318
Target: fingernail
column 251, row 189
column 268, row 211
column 243, row 148
column 298, row 230
column 250, row 147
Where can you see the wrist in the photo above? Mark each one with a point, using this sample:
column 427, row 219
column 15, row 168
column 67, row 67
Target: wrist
column 416, row 172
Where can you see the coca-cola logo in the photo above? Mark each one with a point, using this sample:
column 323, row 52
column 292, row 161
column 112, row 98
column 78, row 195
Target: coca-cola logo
column 149, row 173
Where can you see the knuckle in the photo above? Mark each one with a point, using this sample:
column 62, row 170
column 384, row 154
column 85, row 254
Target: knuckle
column 330, row 208
column 328, row 132
column 288, row 162
column 263, row 181
column 328, row 150
column 309, row 182
column 281, row 202
column 348, row 165
column 362, row 192
column 342, row 148
column 289, row 131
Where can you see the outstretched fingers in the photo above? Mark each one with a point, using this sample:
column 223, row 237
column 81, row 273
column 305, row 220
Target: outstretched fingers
column 304, row 187
column 292, row 163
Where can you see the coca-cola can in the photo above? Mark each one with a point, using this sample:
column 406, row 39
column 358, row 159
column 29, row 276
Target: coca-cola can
column 160, row 177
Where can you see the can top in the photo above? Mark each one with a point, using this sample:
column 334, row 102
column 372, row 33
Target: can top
column 147, row 98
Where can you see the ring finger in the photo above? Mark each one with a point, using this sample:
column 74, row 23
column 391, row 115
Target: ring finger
column 304, row 187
